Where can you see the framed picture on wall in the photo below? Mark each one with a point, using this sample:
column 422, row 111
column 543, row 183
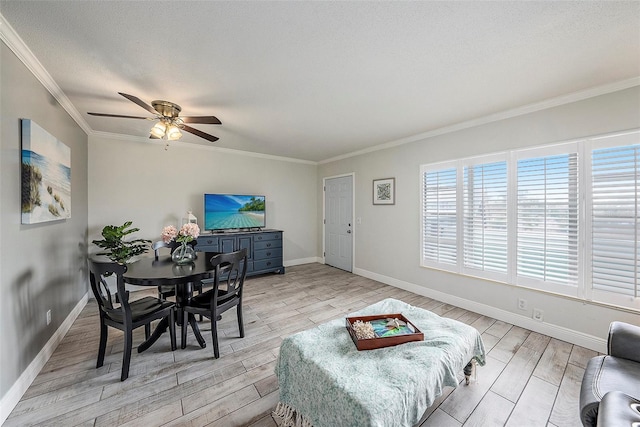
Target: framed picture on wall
column 46, row 175
column 384, row 191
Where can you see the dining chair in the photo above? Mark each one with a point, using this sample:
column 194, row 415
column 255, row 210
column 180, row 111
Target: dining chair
column 128, row 315
column 156, row 246
column 229, row 272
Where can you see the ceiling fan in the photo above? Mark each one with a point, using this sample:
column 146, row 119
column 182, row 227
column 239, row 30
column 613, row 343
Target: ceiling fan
column 169, row 123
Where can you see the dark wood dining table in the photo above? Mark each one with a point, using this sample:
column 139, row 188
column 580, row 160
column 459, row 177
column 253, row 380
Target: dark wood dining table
column 149, row 271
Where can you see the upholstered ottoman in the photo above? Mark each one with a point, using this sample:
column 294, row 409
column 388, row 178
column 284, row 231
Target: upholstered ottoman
column 326, row 382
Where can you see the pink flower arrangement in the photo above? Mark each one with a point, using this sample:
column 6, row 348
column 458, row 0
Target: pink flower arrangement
column 169, row 233
column 187, row 233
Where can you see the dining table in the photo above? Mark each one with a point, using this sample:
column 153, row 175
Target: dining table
column 163, row 271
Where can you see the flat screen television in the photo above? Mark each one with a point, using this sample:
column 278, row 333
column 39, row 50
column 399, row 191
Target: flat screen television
column 233, row 211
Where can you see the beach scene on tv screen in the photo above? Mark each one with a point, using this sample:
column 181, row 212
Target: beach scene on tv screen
column 233, row 211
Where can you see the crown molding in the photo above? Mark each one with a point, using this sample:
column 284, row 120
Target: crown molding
column 515, row 112
column 13, row 41
column 177, row 145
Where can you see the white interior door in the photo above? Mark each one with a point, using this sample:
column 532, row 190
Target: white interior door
column 338, row 230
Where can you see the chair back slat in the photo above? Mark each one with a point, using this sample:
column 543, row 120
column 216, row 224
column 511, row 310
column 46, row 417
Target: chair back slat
column 98, row 271
column 230, row 270
column 104, row 294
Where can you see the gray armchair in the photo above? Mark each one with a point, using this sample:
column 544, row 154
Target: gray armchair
column 618, row 371
column 618, row 410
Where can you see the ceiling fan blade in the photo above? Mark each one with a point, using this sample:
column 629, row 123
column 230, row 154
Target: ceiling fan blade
column 200, row 133
column 118, row 115
column 152, row 136
column 140, row 102
column 206, row 120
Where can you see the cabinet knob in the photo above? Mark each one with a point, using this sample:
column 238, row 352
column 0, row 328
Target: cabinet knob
column 269, row 263
column 268, row 253
column 268, row 245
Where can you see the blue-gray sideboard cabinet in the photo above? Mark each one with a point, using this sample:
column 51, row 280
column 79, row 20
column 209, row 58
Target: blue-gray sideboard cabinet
column 264, row 248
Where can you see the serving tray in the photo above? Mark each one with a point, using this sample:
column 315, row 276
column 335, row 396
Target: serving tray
column 394, row 336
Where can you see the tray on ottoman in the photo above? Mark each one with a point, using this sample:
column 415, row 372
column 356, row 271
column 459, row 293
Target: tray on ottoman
column 398, row 335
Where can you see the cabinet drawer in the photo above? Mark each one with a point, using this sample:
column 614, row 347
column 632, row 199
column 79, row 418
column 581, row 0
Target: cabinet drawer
column 267, row 244
column 267, row 253
column 267, row 236
column 267, row 264
column 207, row 244
column 208, row 240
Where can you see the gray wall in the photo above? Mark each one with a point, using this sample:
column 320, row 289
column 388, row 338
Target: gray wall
column 43, row 266
column 387, row 242
column 137, row 180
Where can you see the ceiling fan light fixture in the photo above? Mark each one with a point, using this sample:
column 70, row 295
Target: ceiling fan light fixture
column 170, row 125
column 173, row 133
column 158, row 130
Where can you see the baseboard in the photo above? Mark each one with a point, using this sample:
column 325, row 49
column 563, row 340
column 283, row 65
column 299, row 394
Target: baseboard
column 13, row 396
column 301, row 261
column 558, row 332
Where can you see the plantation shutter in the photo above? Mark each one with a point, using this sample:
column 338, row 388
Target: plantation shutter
column 485, row 217
column 547, row 200
column 439, row 216
column 615, row 180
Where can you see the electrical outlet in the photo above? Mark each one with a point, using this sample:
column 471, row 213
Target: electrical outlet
column 48, row 317
column 522, row 304
column 538, row 314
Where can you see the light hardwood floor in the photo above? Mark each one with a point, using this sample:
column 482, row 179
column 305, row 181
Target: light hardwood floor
column 529, row 379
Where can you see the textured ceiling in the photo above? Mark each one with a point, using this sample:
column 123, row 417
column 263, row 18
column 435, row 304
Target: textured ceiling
column 316, row 80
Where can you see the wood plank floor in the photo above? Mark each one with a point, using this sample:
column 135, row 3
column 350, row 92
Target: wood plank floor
column 529, row 379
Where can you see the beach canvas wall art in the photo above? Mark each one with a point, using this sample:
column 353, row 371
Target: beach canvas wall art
column 46, row 175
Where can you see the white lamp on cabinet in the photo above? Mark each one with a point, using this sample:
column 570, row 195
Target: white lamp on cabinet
column 190, row 218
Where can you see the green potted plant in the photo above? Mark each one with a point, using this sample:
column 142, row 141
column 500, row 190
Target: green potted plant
column 117, row 249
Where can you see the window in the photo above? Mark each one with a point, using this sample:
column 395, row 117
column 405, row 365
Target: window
column 615, row 215
column 547, row 234
column 485, row 217
column 562, row 218
column 439, row 216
